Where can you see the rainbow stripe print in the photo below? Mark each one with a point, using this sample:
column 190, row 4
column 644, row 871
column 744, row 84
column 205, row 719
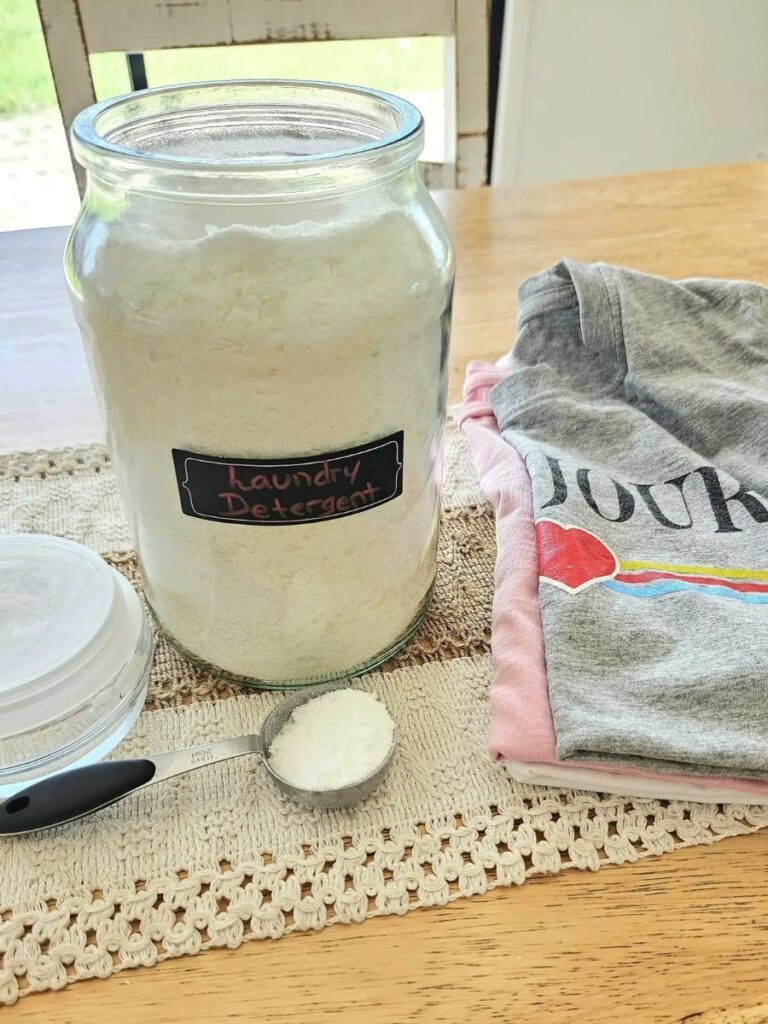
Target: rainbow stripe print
column 655, row 579
column 573, row 558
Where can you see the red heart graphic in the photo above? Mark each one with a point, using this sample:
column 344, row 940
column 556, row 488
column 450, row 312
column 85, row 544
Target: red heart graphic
column 572, row 558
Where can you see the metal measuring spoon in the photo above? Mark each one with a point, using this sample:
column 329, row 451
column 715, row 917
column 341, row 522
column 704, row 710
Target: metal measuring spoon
column 80, row 791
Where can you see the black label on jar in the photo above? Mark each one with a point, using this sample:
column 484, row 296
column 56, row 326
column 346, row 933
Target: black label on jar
column 288, row 492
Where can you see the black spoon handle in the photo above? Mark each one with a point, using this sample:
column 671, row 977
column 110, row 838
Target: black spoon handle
column 73, row 794
column 80, row 791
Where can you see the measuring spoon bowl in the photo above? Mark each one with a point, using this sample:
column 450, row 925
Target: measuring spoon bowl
column 81, row 791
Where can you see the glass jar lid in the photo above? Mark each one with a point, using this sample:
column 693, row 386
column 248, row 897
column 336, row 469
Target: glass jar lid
column 76, row 651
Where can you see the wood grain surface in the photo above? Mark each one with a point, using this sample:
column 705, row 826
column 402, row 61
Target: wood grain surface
column 682, row 938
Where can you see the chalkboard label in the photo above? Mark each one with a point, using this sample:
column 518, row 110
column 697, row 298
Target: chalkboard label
column 289, row 492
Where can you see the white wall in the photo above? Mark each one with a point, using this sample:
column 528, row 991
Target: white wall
column 600, row 87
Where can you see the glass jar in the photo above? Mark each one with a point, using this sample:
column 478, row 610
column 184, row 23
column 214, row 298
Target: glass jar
column 263, row 286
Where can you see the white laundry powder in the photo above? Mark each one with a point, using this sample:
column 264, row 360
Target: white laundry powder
column 250, row 342
column 335, row 740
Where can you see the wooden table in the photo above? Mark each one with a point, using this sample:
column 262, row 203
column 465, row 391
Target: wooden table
column 683, row 938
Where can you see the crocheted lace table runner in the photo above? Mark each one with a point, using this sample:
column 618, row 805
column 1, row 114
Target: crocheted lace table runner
column 218, row 857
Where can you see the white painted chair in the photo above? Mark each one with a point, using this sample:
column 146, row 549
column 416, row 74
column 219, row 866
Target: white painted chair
column 74, row 29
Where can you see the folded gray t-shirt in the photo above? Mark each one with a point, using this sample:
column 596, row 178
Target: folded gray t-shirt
column 641, row 408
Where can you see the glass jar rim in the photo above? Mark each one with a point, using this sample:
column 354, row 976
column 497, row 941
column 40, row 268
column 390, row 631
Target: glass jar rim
column 94, row 128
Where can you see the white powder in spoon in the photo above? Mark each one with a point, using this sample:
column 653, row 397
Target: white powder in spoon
column 335, row 740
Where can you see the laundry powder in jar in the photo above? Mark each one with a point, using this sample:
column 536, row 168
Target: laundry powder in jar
column 253, row 356
column 334, row 740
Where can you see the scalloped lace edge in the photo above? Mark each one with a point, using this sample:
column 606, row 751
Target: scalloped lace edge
column 55, row 942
